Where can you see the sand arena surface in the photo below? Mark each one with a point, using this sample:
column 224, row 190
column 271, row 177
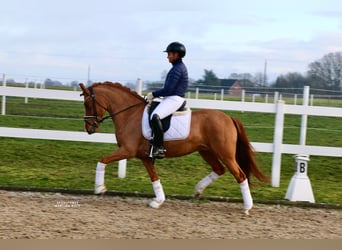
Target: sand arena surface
column 55, row 216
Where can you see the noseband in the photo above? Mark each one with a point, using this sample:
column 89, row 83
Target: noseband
column 95, row 116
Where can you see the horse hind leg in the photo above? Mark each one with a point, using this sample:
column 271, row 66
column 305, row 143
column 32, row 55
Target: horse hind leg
column 246, row 196
column 241, row 178
column 218, row 170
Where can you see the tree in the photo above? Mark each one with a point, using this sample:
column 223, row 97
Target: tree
column 326, row 72
column 49, row 82
column 209, row 78
column 259, row 79
column 74, row 83
column 9, row 81
column 292, row 80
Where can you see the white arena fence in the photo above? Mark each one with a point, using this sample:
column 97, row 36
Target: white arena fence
column 277, row 147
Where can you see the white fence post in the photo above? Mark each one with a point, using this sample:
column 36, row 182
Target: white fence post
column 3, row 106
column 304, row 121
column 276, row 97
column 222, row 94
column 122, row 168
column 277, row 143
column 243, row 93
column 138, row 87
column 26, row 86
column 311, row 99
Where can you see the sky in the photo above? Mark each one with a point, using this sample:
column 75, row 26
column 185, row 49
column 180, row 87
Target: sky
column 122, row 41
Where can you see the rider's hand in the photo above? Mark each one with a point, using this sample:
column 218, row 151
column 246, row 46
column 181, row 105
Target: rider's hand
column 149, row 97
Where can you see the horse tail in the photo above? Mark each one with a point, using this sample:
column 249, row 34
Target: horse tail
column 245, row 154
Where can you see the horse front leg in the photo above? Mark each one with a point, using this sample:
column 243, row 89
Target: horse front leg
column 156, row 185
column 120, row 154
column 100, row 187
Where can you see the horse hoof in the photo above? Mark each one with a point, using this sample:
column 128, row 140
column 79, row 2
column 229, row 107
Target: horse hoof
column 100, row 189
column 155, row 203
column 197, row 196
column 246, row 211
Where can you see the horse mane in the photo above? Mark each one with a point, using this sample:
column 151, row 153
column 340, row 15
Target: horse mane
column 118, row 85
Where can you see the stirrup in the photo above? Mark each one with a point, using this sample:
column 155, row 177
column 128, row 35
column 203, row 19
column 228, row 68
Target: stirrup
column 159, row 153
column 156, row 152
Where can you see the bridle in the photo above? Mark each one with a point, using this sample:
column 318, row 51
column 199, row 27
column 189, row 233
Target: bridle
column 98, row 120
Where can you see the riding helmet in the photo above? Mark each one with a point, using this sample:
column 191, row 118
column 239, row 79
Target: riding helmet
column 176, row 47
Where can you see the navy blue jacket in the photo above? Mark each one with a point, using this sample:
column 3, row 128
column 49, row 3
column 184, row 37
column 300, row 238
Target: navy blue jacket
column 176, row 81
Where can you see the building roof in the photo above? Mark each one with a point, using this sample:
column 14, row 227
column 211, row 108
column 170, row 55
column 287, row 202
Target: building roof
column 227, row 82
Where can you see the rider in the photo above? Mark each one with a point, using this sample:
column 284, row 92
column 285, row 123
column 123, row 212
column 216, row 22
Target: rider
column 173, row 93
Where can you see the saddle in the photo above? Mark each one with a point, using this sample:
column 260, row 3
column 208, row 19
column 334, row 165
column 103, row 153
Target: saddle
column 167, row 120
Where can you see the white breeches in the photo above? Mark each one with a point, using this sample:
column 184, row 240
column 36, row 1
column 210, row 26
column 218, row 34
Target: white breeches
column 167, row 106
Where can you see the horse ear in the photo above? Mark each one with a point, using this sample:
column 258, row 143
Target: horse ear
column 84, row 89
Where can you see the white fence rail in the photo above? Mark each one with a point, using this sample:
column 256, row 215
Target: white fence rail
column 277, row 147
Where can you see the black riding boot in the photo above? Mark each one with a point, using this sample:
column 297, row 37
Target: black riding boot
column 158, row 137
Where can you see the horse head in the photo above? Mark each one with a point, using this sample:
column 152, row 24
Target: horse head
column 112, row 97
column 94, row 110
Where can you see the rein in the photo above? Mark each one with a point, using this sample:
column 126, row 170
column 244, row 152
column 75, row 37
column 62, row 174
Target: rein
column 94, row 101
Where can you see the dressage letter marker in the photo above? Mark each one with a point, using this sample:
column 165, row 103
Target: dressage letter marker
column 300, row 186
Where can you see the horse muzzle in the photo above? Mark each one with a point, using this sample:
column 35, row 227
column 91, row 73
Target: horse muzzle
column 91, row 130
column 91, row 127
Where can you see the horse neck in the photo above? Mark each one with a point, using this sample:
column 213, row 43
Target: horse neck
column 119, row 103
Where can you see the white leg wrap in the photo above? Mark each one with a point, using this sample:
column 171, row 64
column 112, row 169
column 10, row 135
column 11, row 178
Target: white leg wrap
column 159, row 192
column 99, row 178
column 246, row 196
column 205, row 182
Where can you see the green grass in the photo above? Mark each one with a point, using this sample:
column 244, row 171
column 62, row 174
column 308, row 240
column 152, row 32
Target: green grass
column 62, row 164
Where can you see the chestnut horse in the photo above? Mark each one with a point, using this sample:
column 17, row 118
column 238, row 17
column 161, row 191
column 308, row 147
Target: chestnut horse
column 219, row 139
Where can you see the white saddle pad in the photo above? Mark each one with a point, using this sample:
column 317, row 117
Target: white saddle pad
column 179, row 127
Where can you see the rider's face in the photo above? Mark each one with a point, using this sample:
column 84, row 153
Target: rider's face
column 172, row 56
